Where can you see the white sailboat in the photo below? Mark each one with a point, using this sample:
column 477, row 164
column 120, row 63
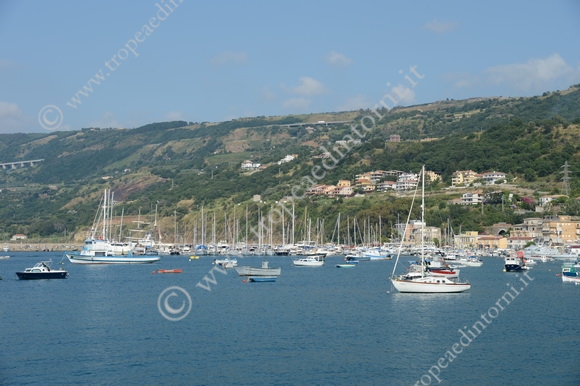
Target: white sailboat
column 422, row 283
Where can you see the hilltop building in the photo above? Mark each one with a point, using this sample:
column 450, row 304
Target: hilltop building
column 464, row 177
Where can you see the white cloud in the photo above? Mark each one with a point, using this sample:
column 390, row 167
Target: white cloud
column 297, row 104
column 6, row 64
column 357, row 102
column 337, row 59
column 535, row 75
column 308, row 87
column 174, row 116
column 229, row 57
column 9, row 110
column 267, row 94
column 400, row 95
column 13, row 120
column 107, row 120
column 440, row 27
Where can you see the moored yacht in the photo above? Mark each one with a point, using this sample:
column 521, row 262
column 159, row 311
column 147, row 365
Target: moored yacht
column 42, row 270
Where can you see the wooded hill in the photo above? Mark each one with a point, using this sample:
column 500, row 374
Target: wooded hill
column 182, row 166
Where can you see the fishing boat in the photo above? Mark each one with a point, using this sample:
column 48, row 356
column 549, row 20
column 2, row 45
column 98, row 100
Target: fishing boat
column 110, row 259
column 421, row 282
column 42, row 270
column 308, row 262
column 264, row 270
column 98, row 249
column 569, row 273
column 515, row 263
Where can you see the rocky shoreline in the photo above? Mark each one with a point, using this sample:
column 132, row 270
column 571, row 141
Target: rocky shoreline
column 39, row 247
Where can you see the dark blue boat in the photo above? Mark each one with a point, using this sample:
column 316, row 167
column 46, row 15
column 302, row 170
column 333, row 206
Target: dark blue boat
column 42, row 270
column 262, row 279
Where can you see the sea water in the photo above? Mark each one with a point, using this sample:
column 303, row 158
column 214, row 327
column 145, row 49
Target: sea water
column 313, row 326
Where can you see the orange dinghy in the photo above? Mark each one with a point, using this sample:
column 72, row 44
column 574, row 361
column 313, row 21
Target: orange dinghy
column 168, row 271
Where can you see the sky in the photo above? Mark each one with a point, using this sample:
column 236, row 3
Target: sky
column 69, row 64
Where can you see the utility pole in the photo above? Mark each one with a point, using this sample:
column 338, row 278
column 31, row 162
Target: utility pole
column 566, row 179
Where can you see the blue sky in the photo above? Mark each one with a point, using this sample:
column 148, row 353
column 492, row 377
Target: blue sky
column 201, row 61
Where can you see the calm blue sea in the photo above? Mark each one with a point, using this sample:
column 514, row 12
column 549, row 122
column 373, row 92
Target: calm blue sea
column 314, row 326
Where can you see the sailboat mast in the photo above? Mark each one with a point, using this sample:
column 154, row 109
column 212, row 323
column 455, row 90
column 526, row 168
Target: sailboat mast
column 338, row 229
column 423, row 221
column 293, row 218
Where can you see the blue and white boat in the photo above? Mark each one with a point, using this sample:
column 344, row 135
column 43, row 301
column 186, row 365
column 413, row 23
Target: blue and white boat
column 570, row 273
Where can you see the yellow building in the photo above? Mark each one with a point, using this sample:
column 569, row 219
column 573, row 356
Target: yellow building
column 465, row 240
column 432, row 176
column 492, row 242
column 464, row 177
column 561, row 229
column 473, row 240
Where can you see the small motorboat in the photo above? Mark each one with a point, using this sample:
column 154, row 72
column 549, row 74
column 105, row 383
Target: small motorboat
column 226, row 263
column 42, row 270
column 262, row 279
column 347, row 265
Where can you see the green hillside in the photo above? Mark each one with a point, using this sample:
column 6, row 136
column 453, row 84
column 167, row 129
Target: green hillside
column 182, row 166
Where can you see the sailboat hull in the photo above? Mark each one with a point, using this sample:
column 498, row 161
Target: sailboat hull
column 432, row 285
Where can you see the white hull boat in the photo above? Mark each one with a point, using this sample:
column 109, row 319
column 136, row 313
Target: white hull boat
column 265, row 270
column 429, row 284
column 83, row 259
column 226, row 263
column 308, row 262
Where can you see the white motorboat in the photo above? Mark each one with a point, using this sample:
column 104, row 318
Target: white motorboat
column 308, row 262
column 226, row 263
column 471, row 261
